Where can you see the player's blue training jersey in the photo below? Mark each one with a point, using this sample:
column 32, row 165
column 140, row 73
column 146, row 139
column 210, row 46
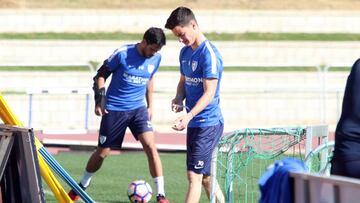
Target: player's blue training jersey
column 130, row 75
column 275, row 183
column 204, row 62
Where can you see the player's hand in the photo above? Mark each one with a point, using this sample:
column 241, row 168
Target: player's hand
column 99, row 111
column 177, row 106
column 181, row 123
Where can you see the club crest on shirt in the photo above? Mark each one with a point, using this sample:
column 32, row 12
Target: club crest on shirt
column 194, row 65
column 151, row 68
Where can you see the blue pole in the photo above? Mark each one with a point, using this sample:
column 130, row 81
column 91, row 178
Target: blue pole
column 54, row 165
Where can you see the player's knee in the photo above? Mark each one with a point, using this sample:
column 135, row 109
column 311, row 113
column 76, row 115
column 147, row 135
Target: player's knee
column 194, row 177
column 103, row 152
column 150, row 147
column 153, row 153
column 206, row 181
column 146, row 146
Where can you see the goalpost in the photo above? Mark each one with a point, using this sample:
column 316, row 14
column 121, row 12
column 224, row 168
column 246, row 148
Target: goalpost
column 242, row 156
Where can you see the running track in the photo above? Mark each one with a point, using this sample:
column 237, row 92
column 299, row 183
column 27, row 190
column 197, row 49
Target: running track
column 65, row 142
column 165, row 141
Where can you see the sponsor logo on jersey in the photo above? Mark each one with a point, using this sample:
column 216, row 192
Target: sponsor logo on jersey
column 135, row 79
column 193, row 81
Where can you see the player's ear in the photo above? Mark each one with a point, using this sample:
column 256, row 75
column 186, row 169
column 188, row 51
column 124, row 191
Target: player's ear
column 192, row 24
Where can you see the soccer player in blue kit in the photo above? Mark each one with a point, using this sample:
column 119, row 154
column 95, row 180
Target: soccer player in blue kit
column 123, row 105
column 201, row 70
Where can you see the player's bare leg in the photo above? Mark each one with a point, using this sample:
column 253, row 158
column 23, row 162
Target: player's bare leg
column 96, row 159
column 147, row 140
column 206, row 182
column 194, row 187
column 94, row 163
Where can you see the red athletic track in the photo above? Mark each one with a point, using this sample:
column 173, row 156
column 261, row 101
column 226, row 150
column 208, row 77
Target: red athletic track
column 55, row 143
column 64, row 142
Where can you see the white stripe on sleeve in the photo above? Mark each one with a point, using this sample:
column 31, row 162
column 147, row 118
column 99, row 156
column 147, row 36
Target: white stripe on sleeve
column 213, row 58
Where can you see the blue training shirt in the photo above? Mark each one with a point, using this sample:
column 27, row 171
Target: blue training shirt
column 205, row 62
column 130, row 75
column 274, row 184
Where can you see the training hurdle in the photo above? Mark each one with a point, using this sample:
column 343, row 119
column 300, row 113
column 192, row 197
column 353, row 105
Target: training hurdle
column 20, row 179
column 86, row 92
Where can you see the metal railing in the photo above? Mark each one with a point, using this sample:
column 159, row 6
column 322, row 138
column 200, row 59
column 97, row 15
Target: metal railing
column 321, row 96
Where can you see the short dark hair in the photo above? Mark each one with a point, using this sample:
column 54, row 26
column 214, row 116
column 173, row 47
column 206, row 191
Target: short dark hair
column 155, row 35
column 180, row 16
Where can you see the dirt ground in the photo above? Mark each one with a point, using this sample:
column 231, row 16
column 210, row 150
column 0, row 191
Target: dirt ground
column 195, row 4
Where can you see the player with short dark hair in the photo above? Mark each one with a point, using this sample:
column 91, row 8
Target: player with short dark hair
column 128, row 103
column 201, row 69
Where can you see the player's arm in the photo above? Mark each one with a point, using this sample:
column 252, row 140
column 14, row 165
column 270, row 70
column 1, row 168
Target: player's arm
column 149, row 94
column 177, row 102
column 210, row 85
column 99, row 88
column 211, row 66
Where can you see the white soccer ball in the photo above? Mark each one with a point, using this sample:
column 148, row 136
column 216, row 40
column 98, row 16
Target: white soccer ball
column 139, row 191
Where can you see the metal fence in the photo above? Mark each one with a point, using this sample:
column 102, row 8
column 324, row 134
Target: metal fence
column 247, row 99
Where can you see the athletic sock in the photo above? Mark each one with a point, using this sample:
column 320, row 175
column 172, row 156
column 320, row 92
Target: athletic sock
column 159, row 182
column 85, row 181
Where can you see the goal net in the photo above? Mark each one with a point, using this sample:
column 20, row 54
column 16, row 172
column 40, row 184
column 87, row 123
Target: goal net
column 242, row 156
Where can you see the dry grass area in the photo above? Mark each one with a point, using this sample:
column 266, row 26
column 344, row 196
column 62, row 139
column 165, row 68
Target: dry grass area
column 195, row 4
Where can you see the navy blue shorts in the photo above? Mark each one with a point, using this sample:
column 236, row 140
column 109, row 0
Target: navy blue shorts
column 113, row 126
column 201, row 142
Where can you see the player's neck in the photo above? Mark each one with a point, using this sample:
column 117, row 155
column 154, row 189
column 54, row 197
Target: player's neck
column 199, row 39
column 140, row 49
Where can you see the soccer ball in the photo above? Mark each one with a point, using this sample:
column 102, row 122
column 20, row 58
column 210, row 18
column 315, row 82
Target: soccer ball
column 139, row 191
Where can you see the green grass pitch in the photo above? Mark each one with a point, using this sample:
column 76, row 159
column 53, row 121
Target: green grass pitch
column 111, row 181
